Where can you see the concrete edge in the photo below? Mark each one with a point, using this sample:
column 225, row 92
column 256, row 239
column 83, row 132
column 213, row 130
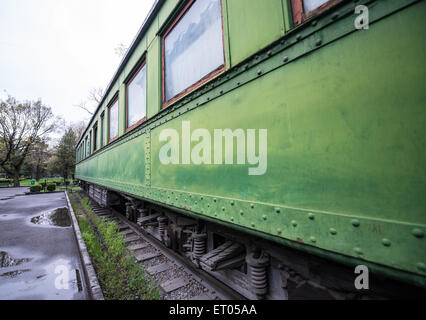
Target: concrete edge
column 95, row 291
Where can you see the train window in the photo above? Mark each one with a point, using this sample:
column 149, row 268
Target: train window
column 136, row 98
column 113, row 120
column 193, row 49
column 87, row 146
column 90, row 141
column 95, row 136
column 304, row 9
column 102, row 128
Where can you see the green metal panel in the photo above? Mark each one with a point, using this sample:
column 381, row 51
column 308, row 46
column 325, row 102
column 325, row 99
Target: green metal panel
column 346, row 143
column 227, row 45
column 139, row 52
column 253, row 24
column 122, row 109
column 118, row 164
column 166, row 10
column 287, row 14
column 152, row 32
column 153, row 65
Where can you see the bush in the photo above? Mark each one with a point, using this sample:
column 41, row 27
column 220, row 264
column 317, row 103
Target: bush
column 36, row 188
column 51, row 186
column 6, row 180
column 58, row 183
column 43, row 185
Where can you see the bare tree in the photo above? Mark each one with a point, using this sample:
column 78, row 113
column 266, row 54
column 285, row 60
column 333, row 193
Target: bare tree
column 22, row 125
column 82, row 105
column 121, row 50
column 96, row 95
column 78, row 128
column 94, row 99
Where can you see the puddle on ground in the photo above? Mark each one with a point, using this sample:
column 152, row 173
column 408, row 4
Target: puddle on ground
column 14, row 273
column 8, row 261
column 58, row 217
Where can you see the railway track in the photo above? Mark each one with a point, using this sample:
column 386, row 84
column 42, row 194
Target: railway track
column 177, row 278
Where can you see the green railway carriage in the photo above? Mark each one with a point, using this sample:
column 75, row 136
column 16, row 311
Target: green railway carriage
column 280, row 135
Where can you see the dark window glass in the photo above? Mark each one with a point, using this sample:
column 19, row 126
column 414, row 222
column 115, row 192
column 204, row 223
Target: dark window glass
column 193, row 48
column 102, row 130
column 136, row 98
column 95, row 137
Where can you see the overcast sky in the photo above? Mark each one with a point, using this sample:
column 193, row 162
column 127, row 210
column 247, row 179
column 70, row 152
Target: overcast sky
column 57, row 50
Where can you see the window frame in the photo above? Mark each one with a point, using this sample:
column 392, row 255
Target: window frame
column 102, row 129
column 90, row 142
column 113, row 101
column 299, row 15
column 95, row 137
column 127, row 83
column 203, row 80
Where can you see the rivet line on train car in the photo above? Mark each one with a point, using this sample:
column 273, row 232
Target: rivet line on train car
column 417, row 233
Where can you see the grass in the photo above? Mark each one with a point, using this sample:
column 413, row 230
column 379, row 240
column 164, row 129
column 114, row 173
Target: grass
column 119, row 274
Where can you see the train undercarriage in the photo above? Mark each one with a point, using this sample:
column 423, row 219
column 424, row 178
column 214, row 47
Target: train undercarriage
column 254, row 267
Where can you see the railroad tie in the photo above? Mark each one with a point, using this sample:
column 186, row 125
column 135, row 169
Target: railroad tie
column 159, row 268
column 147, row 256
column 174, row 284
column 122, row 226
column 131, row 238
column 138, row 246
column 127, row 231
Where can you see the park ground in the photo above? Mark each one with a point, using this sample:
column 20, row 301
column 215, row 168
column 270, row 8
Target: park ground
column 38, row 252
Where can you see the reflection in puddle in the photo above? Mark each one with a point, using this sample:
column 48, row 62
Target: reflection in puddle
column 13, row 274
column 58, row 217
column 8, row 261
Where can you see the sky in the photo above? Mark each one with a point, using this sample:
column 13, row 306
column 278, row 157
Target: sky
column 58, row 50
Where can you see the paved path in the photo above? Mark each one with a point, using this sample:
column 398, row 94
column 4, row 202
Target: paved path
column 39, row 258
